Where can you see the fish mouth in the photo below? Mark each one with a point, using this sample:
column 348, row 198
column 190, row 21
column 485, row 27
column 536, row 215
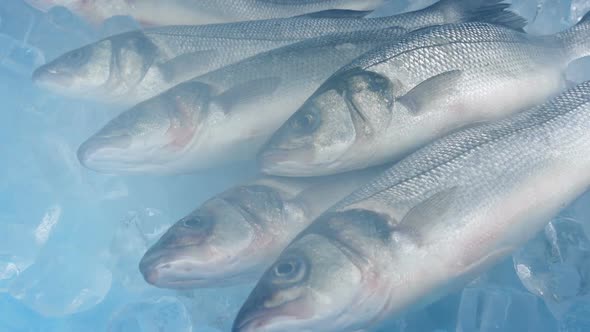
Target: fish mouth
column 47, row 77
column 104, row 153
column 163, row 276
column 167, row 268
column 286, row 162
column 275, row 319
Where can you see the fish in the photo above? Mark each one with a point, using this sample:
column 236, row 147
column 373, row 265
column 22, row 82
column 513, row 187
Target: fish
column 429, row 224
column 224, row 116
column 392, row 100
column 128, row 68
column 200, row 12
column 233, row 237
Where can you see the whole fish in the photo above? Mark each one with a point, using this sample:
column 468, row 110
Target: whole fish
column 395, row 99
column 226, row 115
column 235, row 236
column 170, row 12
column 429, row 224
column 132, row 67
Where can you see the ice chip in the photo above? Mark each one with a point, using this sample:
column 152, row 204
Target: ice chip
column 164, row 314
column 62, row 284
column 494, row 308
column 577, row 319
column 134, row 235
column 17, row 250
column 556, row 264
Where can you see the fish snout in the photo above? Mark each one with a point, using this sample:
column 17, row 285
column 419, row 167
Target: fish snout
column 102, row 149
column 153, row 269
column 46, row 76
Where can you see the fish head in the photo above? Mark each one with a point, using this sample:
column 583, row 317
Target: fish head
column 150, row 136
column 322, row 136
column 326, row 279
column 104, row 70
column 228, row 240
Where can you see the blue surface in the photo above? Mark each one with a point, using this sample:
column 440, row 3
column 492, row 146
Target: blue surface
column 70, row 239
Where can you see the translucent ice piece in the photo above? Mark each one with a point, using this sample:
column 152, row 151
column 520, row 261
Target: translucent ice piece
column 556, row 264
column 164, row 314
column 493, row 308
column 134, row 235
column 62, row 283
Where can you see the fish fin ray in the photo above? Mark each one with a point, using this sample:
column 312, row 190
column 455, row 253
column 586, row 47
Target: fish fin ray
column 247, row 92
column 427, row 212
column 175, row 68
column 429, row 91
column 338, row 13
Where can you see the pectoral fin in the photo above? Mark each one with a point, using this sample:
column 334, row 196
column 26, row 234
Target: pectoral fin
column 176, row 68
column 429, row 212
column 247, row 92
column 425, row 95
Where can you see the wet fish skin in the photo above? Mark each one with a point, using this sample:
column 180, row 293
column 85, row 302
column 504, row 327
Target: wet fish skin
column 393, row 100
column 430, row 223
column 174, row 54
column 233, row 237
column 198, row 12
column 226, row 115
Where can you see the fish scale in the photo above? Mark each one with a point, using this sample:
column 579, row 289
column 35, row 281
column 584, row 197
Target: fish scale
column 439, row 78
column 431, row 223
column 443, row 158
column 174, row 54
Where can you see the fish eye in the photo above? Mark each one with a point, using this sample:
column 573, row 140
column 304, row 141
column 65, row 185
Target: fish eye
column 305, row 122
column 77, row 56
column 194, row 222
column 289, row 270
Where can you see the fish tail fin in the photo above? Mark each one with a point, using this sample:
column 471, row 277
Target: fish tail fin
column 489, row 11
column 576, row 40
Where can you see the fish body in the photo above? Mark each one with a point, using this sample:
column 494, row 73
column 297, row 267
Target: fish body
column 198, row 12
column 430, row 223
column 233, row 237
column 226, row 115
column 392, row 100
column 132, row 67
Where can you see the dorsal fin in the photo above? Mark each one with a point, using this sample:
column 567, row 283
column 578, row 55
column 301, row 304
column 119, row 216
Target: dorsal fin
column 338, row 13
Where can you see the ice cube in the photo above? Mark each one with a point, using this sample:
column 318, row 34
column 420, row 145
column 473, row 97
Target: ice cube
column 495, row 308
column 134, row 235
column 15, row 316
column 215, row 308
column 164, row 314
column 62, row 282
column 14, row 256
column 577, row 318
column 556, row 264
column 578, row 9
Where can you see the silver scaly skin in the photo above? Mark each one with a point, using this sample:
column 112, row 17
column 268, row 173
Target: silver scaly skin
column 429, row 224
column 234, row 237
column 226, row 115
column 392, row 100
column 169, row 12
column 132, row 67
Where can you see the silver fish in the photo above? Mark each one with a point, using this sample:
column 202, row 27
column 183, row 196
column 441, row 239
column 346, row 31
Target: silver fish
column 235, row 236
column 170, row 12
column 391, row 101
column 429, row 224
column 226, row 115
column 132, row 67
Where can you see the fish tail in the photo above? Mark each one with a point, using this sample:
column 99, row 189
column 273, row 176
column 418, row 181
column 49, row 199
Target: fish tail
column 489, row 11
column 576, row 40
